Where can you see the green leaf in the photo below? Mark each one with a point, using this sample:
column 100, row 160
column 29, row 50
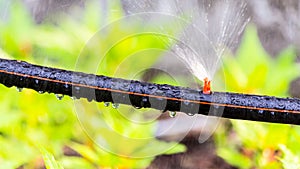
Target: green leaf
column 86, row 151
column 76, row 162
column 251, row 52
column 49, row 159
column 234, row 157
column 289, row 160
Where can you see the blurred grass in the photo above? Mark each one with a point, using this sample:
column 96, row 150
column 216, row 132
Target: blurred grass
column 31, row 122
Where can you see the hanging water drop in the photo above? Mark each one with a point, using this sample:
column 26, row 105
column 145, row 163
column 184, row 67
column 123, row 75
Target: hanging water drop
column 144, row 101
column 172, row 114
column 73, row 97
column 106, row 104
column 77, row 89
column 216, row 106
column 59, row 96
column 190, row 114
column 186, row 103
column 66, row 86
column 115, row 105
column 272, row 114
column 41, row 92
column 19, row 89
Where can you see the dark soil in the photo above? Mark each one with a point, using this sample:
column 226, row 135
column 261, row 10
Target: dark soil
column 198, row 156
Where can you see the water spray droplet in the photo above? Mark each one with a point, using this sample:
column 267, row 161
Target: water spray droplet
column 115, row 105
column 172, row 114
column 19, row 89
column 106, row 104
column 59, row 96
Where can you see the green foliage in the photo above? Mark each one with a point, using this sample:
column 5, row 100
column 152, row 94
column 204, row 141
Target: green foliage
column 290, row 160
column 28, row 118
column 252, row 144
column 50, row 162
column 254, row 71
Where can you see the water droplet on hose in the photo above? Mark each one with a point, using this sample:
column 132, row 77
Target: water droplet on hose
column 77, row 89
column 66, row 86
column 36, row 81
column 144, row 101
column 272, row 114
column 59, row 96
column 41, row 92
column 136, row 107
column 115, row 105
column 106, row 104
column 19, row 89
column 82, row 82
column 216, row 106
column 190, row 114
column 186, row 103
column 172, row 114
column 74, row 98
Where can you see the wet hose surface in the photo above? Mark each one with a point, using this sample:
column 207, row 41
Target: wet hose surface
column 149, row 95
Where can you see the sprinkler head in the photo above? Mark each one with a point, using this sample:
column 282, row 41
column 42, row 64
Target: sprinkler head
column 206, row 87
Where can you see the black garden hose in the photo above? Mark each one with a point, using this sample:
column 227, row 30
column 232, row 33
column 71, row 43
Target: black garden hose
column 149, row 95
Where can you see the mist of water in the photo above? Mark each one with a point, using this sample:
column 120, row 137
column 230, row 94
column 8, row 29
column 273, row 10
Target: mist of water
column 205, row 30
column 210, row 27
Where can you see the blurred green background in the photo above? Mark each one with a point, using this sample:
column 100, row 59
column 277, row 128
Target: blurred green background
column 39, row 125
column 38, row 129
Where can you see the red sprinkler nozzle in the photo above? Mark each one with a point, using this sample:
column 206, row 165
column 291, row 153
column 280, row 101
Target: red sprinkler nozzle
column 206, row 87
